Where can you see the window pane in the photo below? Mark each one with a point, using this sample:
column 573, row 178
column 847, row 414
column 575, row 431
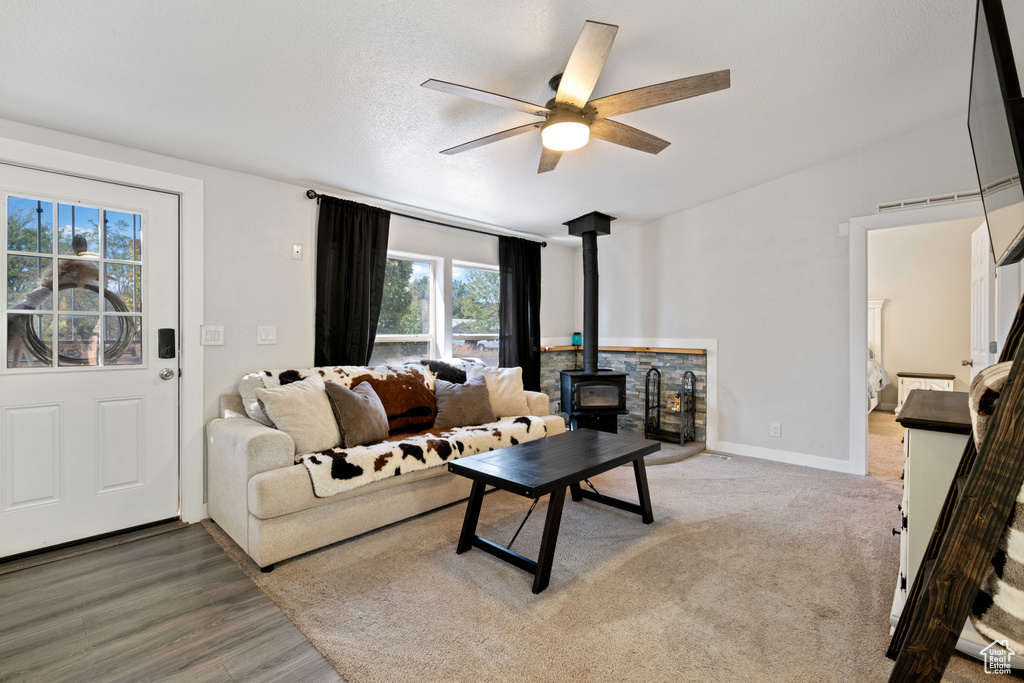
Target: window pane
column 122, row 236
column 124, row 340
column 29, row 225
column 78, row 283
column 78, row 230
column 406, row 305
column 475, row 297
column 78, row 339
column 25, row 275
column 484, row 349
column 394, row 353
column 124, row 284
column 30, row 341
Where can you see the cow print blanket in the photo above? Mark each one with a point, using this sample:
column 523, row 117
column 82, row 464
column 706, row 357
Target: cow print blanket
column 337, row 470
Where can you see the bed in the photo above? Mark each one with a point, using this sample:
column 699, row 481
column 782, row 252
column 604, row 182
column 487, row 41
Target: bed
column 877, row 378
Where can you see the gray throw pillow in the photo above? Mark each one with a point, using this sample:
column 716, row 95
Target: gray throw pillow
column 253, row 408
column 462, row 405
column 360, row 414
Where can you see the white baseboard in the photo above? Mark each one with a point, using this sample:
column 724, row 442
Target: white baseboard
column 775, row 455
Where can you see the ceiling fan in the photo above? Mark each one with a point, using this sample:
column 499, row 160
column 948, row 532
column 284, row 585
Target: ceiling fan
column 570, row 118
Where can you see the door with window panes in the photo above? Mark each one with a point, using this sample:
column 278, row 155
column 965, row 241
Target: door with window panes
column 88, row 408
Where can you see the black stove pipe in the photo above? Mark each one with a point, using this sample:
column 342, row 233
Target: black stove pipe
column 590, row 283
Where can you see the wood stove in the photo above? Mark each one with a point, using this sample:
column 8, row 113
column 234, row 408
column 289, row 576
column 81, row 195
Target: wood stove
column 593, row 397
column 594, row 400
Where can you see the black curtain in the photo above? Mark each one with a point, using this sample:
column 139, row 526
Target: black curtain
column 351, row 255
column 519, row 310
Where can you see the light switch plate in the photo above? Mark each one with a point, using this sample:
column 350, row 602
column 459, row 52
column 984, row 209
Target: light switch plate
column 266, row 334
column 211, row 335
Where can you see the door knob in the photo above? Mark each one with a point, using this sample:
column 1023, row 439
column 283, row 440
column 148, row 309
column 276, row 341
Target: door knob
column 166, row 373
column 967, row 363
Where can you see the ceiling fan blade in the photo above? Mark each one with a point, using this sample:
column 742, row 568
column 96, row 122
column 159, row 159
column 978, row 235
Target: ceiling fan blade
column 662, row 93
column 486, row 140
column 484, row 96
column 585, row 63
column 627, row 136
column 548, row 160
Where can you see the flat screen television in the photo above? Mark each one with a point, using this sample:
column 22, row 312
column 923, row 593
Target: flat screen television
column 996, row 123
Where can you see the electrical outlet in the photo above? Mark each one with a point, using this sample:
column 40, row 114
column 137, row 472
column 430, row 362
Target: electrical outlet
column 266, row 334
column 211, row 335
column 297, row 252
column 776, row 430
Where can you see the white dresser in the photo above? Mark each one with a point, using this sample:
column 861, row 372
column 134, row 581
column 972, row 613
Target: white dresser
column 908, row 381
column 937, row 428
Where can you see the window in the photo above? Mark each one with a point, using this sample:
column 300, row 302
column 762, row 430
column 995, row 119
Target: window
column 95, row 319
column 405, row 330
column 475, row 326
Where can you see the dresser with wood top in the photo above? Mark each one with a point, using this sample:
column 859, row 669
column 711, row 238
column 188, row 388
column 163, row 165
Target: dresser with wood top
column 938, row 425
column 909, row 381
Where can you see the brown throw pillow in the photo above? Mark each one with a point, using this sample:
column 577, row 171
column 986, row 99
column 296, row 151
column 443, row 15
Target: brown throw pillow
column 359, row 413
column 407, row 393
column 462, row 405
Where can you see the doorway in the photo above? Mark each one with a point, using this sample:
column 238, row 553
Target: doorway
column 89, row 372
column 924, row 294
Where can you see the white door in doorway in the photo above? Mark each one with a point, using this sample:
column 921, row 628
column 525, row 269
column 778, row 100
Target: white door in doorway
column 983, row 302
column 88, row 408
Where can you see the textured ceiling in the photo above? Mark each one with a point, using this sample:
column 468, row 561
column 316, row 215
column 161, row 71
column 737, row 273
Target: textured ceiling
column 327, row 92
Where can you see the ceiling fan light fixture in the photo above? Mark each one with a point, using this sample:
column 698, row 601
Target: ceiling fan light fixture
column 565, row 131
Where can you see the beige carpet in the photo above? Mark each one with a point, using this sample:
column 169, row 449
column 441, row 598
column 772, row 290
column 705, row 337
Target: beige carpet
column 885, row 445
column 752, row 571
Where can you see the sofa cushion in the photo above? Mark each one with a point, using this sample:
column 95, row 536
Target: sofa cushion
column 406, row 391
column 301, row 410
column 286, row 490
column 462, row 405
column 505, row 388
column 359, row 413
column 333, row 471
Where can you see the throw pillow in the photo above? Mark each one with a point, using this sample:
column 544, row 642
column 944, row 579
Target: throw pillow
column 302, row 411
column 407, row 391
column 359, row 413
column 984, row 394
column 247, row 390
column 505, row 388
column 445, row 371
column 462, row 405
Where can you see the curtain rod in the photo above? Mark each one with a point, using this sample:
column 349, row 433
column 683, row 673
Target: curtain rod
column 313, row 194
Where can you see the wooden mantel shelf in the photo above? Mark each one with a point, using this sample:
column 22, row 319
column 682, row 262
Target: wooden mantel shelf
column 639, row 349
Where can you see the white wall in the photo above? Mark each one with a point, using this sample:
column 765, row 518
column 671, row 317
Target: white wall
column 925, row 273
column 765, row 271
column 250, row 277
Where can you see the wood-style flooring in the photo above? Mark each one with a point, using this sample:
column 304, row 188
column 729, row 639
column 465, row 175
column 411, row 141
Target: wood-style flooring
column 172, row 607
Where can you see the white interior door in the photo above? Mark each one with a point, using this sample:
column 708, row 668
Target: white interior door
column 1009, row 290
column 88, row 408
column 983, row 302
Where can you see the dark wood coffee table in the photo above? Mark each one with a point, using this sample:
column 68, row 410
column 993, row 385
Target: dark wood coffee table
column 549, row 466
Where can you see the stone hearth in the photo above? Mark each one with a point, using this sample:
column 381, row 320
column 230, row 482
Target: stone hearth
column 636, row 364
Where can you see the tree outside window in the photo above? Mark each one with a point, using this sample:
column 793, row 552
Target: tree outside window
column 475, row 326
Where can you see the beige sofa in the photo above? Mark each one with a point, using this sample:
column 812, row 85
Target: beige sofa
column 265, row 502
